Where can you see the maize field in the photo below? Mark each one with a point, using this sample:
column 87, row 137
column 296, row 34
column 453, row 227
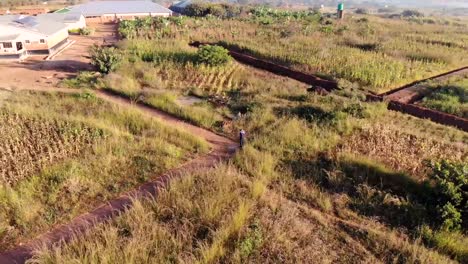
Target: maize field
column 29, row 144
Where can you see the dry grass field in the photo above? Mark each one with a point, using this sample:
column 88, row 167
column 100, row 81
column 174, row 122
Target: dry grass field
column 63, row 154
column 322, row 178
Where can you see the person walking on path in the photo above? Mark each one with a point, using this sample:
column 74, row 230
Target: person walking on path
column 241, row 138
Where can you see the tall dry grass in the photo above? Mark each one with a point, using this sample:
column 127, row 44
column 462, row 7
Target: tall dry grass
column 95, row 167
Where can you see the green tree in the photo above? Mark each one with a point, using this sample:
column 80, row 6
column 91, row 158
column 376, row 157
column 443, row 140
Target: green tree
column 104, row 58
column 213, row 55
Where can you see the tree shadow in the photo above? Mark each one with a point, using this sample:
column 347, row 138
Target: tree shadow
column 64, row 66
column 308, row 113
column 393, row 197
column 362, row 46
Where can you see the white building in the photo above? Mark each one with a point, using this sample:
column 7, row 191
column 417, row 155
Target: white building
column 21, row 36
column 72, row 20
column 112, row 11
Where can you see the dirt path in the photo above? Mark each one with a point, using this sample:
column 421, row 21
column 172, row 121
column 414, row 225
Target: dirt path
column 415, row 91
column 222, row 148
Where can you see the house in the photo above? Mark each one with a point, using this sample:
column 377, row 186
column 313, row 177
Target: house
column 21, row 36
column 71, row 19
column 113, row 11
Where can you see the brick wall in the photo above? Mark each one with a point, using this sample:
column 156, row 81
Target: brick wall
column 278, row 69
column 435, row 116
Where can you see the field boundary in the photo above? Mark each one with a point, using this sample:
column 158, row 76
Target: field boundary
column 423, row 112
column 222, row 149
column 414, row 96
column 275, row 68
column 433, row 115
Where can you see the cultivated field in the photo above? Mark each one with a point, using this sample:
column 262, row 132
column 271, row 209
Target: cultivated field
column 377, row 53
column 450, row 96
column 322, row 178
column 63, row 154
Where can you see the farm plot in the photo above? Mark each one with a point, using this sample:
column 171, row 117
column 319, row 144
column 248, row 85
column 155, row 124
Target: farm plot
column 159, row 72
column 65, row 154
column 29, row 144
column 334, row 163
column 400, row 150
column 376, row 53
column 450, row 97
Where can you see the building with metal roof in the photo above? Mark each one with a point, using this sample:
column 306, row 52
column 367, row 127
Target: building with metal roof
column 21, row 36
column 71, row 19
column 112, row 11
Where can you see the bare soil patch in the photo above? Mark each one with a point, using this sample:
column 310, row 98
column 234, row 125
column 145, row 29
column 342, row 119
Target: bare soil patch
column 36, row 72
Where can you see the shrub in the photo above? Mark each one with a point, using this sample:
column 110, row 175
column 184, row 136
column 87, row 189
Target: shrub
column 412, row 13
column 361, row 11
column 74, row 31
column 213, row 55
column 451, row 183
column 105, row 59
column 454, row 244
column 85, row 79
column 218, row 10
column 86, row 31
column 327, row 29
column 196, row 9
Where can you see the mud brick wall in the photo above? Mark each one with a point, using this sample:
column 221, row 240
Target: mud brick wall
column 435, row 116
column 373, row 98
column 281, row 70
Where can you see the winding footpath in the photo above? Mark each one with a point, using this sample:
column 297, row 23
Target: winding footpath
column 222, row 148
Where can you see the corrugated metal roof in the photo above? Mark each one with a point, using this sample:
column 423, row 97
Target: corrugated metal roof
column 8, row 18
column 8, row 37
column 63, row 17
column 42, row 25
column 99, row 8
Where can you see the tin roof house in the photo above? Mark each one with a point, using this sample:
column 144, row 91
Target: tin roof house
column 113, row 11
column 72, row 20
column 21, row 36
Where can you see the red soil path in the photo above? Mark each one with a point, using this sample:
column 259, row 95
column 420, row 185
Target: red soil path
column 221, row 149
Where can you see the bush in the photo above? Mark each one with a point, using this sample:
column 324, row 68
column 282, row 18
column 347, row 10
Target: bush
column 451, row 185
column 218, row 10
column 454, row 244
column 105, row 59
column 412, row 13
column 361, row 11
column 86, row 31
column 74, row 31
column 213, row 55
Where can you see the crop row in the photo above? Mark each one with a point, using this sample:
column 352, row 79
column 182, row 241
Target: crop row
column 29, row 144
